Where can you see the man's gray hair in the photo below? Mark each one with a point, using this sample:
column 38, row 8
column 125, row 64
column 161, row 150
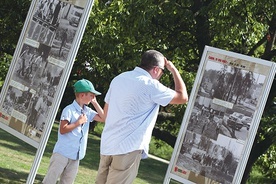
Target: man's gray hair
column 150, row 59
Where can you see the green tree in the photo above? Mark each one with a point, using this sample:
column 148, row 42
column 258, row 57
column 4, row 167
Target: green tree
column 11, row 23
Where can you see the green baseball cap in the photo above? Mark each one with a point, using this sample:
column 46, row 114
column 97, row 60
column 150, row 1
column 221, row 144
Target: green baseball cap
column 84, row 85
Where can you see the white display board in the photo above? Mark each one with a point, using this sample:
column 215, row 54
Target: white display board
column 40, row 69
column 222, row 117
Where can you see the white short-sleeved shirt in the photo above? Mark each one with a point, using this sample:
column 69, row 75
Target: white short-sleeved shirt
column 133, row 102
column 73, row 144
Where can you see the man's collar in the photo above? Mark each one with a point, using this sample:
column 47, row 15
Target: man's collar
column 141, row 70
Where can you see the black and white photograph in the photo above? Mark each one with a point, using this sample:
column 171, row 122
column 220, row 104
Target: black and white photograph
column 27, row 108
column 38, row 112
column 223, row 110
column 37, row 70
column 55, row 23
column 66, row 31
column 51, row 79
column 35, row 81
column 62, row 43
column 217, row 126
column 226, row 101
column 31, row 65
column 17, row 100
column 40, row 64
column 208, row 159
column 41, row 31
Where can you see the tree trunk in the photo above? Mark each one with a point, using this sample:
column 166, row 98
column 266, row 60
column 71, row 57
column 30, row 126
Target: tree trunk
column 164, row 136
column 257, row 150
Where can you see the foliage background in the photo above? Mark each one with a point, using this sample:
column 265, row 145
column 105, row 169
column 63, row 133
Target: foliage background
column 119, row 31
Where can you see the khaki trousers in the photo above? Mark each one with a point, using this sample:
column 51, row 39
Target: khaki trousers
column 62, row 167
column 119, row 169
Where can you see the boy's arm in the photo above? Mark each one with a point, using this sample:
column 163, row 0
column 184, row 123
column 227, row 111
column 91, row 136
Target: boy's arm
column 66, row 127
column 101, row 113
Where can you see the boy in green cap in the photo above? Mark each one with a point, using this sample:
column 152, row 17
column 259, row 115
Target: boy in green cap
column 73, row 130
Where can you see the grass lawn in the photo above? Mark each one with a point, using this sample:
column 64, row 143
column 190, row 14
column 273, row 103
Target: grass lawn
column 16, row 159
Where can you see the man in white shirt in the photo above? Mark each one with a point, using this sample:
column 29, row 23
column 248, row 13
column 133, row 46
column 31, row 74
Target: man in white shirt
column 132, row 105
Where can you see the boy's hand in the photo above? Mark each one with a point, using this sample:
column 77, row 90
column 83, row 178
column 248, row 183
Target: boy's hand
column 82, row 119
column 93, row 100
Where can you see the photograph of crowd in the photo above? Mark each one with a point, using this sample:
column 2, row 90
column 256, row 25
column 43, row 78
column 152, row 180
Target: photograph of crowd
column 219, row 122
